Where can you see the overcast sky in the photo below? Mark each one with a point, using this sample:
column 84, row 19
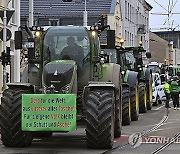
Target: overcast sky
column 161, row 22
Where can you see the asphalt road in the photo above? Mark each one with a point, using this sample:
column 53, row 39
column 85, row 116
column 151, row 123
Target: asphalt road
column 75, row 142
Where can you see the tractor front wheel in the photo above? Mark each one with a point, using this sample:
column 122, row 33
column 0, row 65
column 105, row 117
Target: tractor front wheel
column 134, row 98
column 10, row 119
column 100, row 108
column 149, row 93
column 126, row 107
column 142, row 98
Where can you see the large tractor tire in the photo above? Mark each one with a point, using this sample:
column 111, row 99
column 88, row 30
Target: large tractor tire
column 10, row 119
column 142, row 98
column 126, row 107
column 118, row 115
column 134, row 98
column 149, row 93
column 100, row 107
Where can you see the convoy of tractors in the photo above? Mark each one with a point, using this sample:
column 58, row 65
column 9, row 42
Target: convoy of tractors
column 107, row 88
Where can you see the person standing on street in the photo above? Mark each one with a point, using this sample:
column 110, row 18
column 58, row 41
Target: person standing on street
column 167, row 93
column 175, row 92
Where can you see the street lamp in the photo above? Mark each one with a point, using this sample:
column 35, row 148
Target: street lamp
column 85, row 15
column 31, row 10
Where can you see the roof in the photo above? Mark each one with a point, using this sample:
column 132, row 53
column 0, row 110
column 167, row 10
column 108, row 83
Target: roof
column 57, row 8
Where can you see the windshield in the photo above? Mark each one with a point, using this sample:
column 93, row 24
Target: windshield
column 130, row 60
column 66, row 43
column 154, row 68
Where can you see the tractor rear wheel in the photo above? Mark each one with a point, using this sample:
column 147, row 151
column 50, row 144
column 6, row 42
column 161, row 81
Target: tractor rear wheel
column 100, row 118
column 10, row 119
column 126, row 107
column 142, row 98
column 134, row 98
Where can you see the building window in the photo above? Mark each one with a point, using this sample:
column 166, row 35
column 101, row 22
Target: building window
column 53, row 22
column 126, row 14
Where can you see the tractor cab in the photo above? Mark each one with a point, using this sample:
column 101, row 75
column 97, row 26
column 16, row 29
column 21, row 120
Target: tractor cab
column 66, row 43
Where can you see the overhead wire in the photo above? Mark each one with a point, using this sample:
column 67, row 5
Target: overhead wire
column 170, row 7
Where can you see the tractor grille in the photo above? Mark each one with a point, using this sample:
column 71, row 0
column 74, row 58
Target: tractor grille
column 57, row 75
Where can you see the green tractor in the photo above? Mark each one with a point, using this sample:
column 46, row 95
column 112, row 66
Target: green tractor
column 61, row 87
column 136, row 81
column 132, row 60
column 130, row 94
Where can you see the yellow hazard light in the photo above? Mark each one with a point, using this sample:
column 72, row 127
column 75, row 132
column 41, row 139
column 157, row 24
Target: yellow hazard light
column 121, row 41
column 140, row 43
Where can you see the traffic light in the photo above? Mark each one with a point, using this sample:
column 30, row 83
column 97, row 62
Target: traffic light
column 5, row 58
column 67, row 0
column 7, row 77
column 18, row 40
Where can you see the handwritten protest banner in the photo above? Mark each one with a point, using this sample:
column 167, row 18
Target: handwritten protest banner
column 48, row 112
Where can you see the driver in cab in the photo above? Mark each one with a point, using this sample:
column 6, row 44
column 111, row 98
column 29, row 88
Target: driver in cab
column 72, row 51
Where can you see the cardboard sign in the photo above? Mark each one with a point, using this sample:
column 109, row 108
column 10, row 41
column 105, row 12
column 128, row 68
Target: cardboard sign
column 48, row 112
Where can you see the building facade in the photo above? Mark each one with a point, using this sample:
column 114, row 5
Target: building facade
column 58, row 13
column 12, row 25
column 173, row 38
column 158, row 48
column 135, row 14
column 130, row 18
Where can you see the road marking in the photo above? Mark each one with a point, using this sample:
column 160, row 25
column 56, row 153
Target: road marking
column 161, row 106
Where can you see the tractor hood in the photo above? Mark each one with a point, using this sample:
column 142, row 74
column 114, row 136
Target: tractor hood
column 58, row 73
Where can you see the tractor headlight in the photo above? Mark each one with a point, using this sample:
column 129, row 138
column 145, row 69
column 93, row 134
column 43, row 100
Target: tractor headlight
column 92, row 28
column 37, row 33
column 146, row 65
column 140, row 69
column 123, row 72
column 65, row 89
column 93, row 33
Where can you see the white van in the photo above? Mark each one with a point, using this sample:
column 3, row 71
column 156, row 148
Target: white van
column 158, row 89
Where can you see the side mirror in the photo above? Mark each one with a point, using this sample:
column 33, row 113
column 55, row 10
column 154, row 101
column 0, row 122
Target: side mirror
column 18, row 40
column 110, row 39
column 119, row 48
column 148, row 54
column 178, row 73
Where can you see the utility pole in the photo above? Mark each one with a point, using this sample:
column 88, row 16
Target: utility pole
column 31, row 10
column 16, row 66
column 4, row 42
column 85, row 15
